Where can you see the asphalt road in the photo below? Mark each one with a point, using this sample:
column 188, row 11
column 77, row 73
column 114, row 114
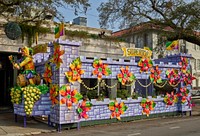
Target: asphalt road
column 173, row 126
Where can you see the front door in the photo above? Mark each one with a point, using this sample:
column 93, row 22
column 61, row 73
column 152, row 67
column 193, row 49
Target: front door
column 6, row 80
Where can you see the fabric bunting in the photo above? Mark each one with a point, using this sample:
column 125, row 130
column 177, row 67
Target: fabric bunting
column 172, row 45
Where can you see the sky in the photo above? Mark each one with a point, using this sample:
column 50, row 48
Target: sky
column 92, row 14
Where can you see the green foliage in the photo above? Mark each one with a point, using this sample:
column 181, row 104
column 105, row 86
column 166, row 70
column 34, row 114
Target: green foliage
column 30, row 31
column 123, row 94
column 84, row 34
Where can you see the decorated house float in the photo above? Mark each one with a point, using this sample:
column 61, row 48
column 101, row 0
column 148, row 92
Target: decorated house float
column 72, row 77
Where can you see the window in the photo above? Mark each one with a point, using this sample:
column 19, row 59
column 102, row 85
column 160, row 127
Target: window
column 193, row 63
column 198, row 64
column 197, row 47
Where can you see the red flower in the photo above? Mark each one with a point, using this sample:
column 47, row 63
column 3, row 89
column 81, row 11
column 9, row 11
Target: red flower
column 145, row 64
column 188, row 78
column 125, row 76
column 47, row 73
column 155, row 75
column 183, row 64
column 83, row 108
column 69, row 96
column 54, row 94
column 173, row 76
column 100, row 68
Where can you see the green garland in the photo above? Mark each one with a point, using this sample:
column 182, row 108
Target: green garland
column 30, row 31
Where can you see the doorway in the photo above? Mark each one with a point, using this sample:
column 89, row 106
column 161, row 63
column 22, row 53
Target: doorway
column 6, row 80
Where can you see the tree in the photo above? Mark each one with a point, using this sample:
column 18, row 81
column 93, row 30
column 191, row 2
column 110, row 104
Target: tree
column 35, row 11
column 182, row 16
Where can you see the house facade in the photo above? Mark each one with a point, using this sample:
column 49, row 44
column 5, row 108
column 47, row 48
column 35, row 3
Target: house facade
column 148, row 35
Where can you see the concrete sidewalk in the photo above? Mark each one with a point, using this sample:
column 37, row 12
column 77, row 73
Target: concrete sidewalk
column 9, row 127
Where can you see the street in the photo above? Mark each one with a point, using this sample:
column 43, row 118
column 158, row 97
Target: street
column 173, row 126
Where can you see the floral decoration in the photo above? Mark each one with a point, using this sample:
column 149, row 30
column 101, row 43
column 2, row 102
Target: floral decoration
column 183, row 94
column 190, row 104
column 47, row 73
column 173, row 76
column 69, row 96
column 75, row 71
column 145, row 64
column 83, row 108
column 54, row 92
column 147, row 105
column 56, row 55
column 117, row 109
column 188, row 78
column 100, row 69
column 155, row 75
column 183, row 64
column 170, row 99
column 125, row 76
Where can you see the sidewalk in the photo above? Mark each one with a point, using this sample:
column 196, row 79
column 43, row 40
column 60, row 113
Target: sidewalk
column 9, row 127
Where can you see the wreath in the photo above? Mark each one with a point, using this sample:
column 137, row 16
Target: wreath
column 155, row 75
column 148, row 106
column 145, row 64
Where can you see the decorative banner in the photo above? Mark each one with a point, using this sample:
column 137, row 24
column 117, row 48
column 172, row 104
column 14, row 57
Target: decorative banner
column 125, row 76
column 147, row 105
column 131, row 52
column 117, row 109
column 100, row 69
column 47, row 73
column 155, row 75
column 183, row 64
column 56, row 55
column 75, row 71
column 83, row 108
column 183, row 94
column 173, row 76
column 170, row 99
column 188, row 78
column 145, row 64
column 54, row 91
column 69, row 96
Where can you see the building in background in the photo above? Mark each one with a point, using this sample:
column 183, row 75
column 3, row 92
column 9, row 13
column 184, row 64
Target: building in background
column 150, row 35
column 80, row 21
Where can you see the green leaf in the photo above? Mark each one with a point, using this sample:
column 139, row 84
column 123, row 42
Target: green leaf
column 154, row 104
column 159, row 81
column 112, row 104
column 120, row 80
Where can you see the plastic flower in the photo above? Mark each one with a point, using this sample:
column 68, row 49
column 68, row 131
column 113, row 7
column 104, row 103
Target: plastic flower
column 83, row 108
column 69, row 96
column 56, row 55
column 183, row 64
column 75, row 71
column 183, row 94
column 125, row 76
column 47, row 74
column 170, row 99
column 173, row 76
column 145, row 64
column 188, row 78
column 190, row 104
column 100, row 69
column 147, row 106
column 117, row 109
column 54, row 94
column 155, row 75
